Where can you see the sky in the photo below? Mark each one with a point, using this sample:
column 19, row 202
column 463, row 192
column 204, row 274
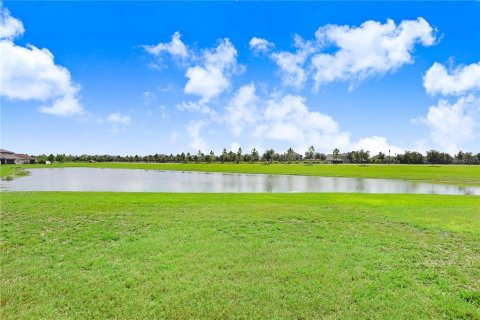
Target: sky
column 169, row 77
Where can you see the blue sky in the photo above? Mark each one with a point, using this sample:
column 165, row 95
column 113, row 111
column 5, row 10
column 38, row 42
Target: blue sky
column 239, row 74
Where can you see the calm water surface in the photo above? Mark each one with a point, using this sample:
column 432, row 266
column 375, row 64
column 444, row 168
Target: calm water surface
column 134, row 180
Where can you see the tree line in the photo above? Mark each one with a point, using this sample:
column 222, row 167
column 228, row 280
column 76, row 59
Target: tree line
column 271, row 156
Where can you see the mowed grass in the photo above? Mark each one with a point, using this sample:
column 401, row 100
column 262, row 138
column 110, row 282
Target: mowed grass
column 12, row 171
column 454, row 174
column 290, row 256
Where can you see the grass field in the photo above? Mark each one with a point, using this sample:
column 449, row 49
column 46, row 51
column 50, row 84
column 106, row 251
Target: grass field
column 310, row 256
column 455, row 174
column 12, row 171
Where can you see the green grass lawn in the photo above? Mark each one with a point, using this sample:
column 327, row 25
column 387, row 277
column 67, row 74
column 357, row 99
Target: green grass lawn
column 455, row 174
column 12, row 171
column 310, row 256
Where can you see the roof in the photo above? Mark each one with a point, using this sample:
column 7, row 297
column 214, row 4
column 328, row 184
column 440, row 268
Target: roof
column 6, row 151
column 7, row 156
column 23, row 156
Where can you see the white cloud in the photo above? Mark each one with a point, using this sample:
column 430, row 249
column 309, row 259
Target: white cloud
column 208, row 71
column 64, row 106
column 176, row 48
column 292, row 64
column 10, row 27
column 282, row 118
column 373, row 48
column 376, row 144
column 212, row 76
column 198, row 106
column 234, row 146
column 439, row 80
column 242, row 111
column 452, row 125
column 196, row 141
column 287, row 118
column 118, row 118
column 29, row 73
column 259, row 45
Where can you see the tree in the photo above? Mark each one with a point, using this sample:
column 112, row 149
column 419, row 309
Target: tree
column 433, row 157
column 310, row 154
column 60, row 158
column 320, row 156
column 268, row 155
column 468, row 158
column 211, row 156
column 51, row 158
column 224, row 155
column 254, row 155
column 290, row 155
column 200, row 157
column 336, row 153
column 460, row 156
column 381, row 156
column 232, row 156
column 239, row 155
column 363, row 156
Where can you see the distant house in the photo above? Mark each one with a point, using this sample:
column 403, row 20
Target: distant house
column 342, row 158
column 9, row 157
column 24, row 158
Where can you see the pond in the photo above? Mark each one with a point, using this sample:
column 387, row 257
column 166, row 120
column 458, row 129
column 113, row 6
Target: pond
column 135, row 180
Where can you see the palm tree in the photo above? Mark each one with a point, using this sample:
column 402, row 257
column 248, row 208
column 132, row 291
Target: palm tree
column 239, row 155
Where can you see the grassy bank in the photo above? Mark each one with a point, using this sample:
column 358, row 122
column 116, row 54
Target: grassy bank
column 104, row 255
column 455, row 174
column 9, row 172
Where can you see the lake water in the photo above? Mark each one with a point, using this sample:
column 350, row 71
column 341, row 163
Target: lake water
column 123, row 180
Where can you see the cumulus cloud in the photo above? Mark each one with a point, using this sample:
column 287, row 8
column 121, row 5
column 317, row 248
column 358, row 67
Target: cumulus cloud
column 10, row 27
column 196, row 141
column 344, row 53
column 63, row 106
column 372, row 48
column 376, row 144
column 242, row 110
column 291, row 65
column 118, row 118
column 454, row 124
column 175, row 48
column 212, row 76
column 287, row 118
column 260, row 45
column 457, row 81
column 208, row 71
column 30, row 73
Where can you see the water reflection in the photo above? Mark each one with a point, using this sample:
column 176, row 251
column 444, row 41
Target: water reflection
column 95, row 179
